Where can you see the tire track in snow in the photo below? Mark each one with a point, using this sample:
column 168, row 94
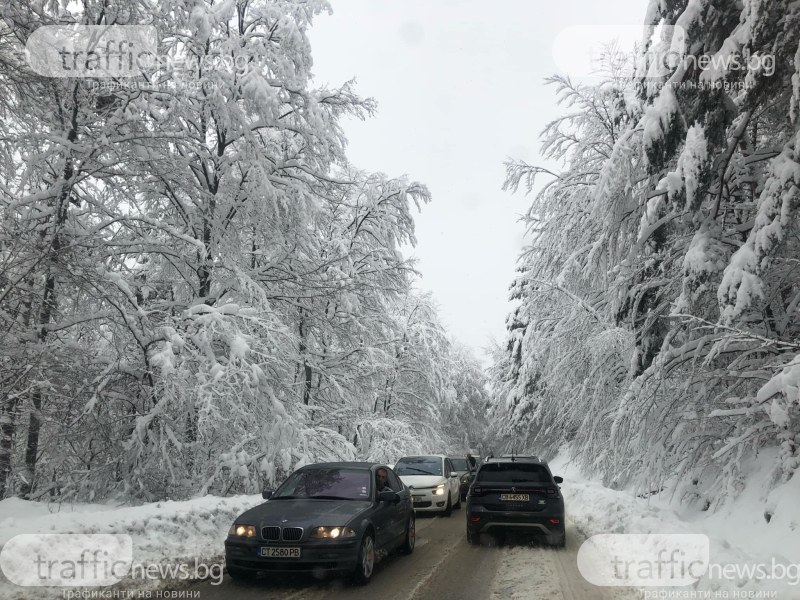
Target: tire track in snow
column 538, row 572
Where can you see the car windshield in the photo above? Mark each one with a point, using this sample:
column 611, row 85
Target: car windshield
column 419, row 465
column 460, row 464
column 326, row 484
column 513, row 473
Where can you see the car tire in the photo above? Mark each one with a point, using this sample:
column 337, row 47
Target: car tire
column 557, row 540
column 473, row 538
column 411, row 536
column 240, row 574
column 448, row 510
column 366, row 560
column 497, row 537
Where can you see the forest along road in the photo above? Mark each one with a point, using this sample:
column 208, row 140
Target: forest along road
column 444, row 566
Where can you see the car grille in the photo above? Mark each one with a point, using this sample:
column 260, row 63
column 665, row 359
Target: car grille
column 292, row 534
column 271, row 533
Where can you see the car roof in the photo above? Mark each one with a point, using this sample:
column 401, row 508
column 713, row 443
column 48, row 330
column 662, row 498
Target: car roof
column 344, row 464
column 515, row 458
column 423, row 456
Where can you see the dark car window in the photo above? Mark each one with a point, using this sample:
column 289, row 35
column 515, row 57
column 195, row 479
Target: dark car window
column 348, row 484
column 419, row 465
column 460, row 464
column 513, row 473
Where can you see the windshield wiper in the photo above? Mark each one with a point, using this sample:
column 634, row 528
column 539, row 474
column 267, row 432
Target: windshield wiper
column 287, row 497
column 420, row 470
column 331, row 497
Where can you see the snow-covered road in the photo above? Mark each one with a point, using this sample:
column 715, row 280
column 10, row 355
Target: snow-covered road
column 445, row 567
column 530, row 571
column 174, row 533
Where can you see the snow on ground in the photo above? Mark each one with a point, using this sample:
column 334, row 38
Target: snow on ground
column 738, row 532
column 172, row 533
column 521, row 578
column 168, row 533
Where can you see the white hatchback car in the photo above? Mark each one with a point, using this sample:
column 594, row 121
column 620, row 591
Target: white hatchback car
column 433, row 481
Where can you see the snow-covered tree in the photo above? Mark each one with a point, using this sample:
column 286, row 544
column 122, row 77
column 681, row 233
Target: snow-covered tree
column 657, row 325
column 198, row 292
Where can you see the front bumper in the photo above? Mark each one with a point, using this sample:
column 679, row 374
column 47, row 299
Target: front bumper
column 424, row 500
column 325, row 557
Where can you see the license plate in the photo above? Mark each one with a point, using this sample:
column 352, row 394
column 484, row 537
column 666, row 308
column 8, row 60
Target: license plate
column 270, row 552
column 515, row 497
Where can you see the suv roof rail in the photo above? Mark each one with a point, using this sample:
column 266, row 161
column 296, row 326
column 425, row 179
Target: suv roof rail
column 515, row 457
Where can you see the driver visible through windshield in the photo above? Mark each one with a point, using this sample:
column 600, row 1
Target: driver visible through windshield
column 419, row 465
column 326, row 484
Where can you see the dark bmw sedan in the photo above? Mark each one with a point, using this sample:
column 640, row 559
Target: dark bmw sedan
column 324, row 519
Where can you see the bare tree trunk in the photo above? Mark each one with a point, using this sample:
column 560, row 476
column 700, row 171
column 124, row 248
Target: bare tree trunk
column 49, row 302
column 8, row 423
column 307, row 371
column 392, row 379
column 45, row 315
column 32, row 444
column 10, row 405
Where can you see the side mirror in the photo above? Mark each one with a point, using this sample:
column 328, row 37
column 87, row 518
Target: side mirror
column 558, row 479
column 453, row 474
column 389, row 496
column 267, row 494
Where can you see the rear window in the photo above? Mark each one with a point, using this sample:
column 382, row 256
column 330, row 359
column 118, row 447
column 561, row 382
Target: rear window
column 513, row 473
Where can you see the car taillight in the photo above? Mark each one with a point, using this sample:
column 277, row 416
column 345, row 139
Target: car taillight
column 552, row 492
column 474, row 519
column 476, row 490
column 554, row 521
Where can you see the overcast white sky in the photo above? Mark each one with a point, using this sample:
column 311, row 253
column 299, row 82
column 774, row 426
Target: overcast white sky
column 459, row 85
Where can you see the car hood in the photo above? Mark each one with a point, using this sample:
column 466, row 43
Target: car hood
column 304, row 512
column 422, row 481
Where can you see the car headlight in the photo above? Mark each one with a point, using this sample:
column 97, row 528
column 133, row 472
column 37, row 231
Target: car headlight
column 245, row 531
column 439, row 491
column 332, row 533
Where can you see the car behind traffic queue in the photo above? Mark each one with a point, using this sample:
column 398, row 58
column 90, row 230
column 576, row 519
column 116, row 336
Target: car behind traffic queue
column 466, row 473
column 324, row 519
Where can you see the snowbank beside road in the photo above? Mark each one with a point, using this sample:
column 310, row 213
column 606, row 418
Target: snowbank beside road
column 165, row 534
column 740, row 534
